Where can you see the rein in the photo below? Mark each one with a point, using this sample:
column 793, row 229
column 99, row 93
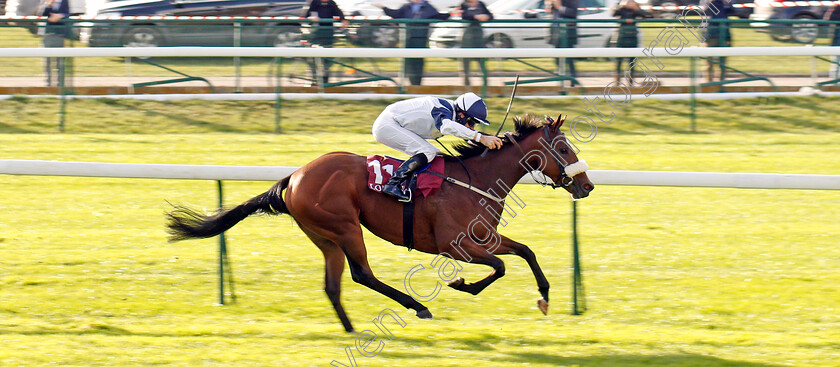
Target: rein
column 567, row 173
column 468, row 186
column 469, row 176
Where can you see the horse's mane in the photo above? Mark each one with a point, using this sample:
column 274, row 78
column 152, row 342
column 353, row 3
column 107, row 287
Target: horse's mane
column 523, row 126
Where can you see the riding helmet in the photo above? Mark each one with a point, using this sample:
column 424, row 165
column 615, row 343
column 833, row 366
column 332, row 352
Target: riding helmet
column 473, row 106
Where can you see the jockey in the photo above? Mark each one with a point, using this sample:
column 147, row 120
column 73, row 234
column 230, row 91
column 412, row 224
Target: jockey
column 406, row 125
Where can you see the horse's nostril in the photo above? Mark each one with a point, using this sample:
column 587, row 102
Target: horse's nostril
column 588, row 187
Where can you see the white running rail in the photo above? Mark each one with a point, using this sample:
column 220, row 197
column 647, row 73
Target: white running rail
column 270, row 173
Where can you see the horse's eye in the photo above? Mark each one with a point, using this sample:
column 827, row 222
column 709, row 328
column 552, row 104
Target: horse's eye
column 564, row 151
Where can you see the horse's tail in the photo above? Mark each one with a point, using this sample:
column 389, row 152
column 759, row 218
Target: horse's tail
column 185, row 223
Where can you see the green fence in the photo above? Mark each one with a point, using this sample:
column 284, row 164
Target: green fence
column 243, row 72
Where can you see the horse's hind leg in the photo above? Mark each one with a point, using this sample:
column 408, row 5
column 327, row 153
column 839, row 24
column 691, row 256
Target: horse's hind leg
column 354, row 248
column 333, row 268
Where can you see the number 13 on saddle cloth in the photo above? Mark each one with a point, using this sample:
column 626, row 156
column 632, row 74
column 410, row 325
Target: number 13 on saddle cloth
column 381, row 168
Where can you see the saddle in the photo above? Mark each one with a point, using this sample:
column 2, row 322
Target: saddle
column 426, row 180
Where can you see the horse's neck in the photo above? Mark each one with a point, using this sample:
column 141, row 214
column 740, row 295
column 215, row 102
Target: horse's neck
column 498, row 171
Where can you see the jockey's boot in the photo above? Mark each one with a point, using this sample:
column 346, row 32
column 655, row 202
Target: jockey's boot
column 393, row 187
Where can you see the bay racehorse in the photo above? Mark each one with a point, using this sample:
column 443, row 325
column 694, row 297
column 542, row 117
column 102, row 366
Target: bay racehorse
column 330, row 200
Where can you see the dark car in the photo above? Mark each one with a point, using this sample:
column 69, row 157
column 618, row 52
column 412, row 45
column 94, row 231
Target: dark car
column 670, row 7
column 673, row 8
column 743, row 8
column 777, row 9
column 149, row 32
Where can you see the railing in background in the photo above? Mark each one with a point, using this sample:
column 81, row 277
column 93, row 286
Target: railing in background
column 115, row 31
column 289, row 52
column 274, row 173
column 266, row 173
column 157, row 31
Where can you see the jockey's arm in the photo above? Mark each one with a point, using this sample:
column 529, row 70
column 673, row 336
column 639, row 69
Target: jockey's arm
column 449, row 127
column 444, row 121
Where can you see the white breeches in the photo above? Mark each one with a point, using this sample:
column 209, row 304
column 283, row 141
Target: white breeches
column 388, row 131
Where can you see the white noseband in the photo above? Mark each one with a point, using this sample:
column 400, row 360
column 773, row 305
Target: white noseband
column 576, row 168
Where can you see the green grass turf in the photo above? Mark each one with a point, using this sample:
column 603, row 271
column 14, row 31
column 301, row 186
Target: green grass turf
column 673, row 276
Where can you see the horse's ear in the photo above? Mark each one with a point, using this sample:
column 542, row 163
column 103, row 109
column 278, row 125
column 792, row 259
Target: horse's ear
column 548, row 120
column 560, row 120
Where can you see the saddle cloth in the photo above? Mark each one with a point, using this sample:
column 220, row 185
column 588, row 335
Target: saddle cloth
column 381, row 168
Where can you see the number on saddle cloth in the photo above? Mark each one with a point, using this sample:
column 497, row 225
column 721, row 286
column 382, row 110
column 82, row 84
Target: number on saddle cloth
column 380, row 169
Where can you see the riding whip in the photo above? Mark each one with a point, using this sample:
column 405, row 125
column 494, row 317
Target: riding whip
column 510, row 103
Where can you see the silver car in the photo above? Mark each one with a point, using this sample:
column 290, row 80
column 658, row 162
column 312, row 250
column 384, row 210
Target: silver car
column 528, row 34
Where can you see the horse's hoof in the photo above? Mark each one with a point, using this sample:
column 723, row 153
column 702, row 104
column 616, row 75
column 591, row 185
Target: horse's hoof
column 543, row 305
column 457, row 283
column 424, row 314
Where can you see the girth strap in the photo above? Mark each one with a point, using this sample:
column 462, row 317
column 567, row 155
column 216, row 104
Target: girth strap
column 408, row 225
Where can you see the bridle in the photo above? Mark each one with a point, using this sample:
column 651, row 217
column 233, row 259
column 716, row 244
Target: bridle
column 567, row 173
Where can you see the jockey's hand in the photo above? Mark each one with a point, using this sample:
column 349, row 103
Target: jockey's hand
column 490, row 141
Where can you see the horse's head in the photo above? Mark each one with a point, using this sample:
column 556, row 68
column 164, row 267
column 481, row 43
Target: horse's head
column 546, row 149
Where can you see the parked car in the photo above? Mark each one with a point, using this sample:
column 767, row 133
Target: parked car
column 379, row 34
column 802, row 33
column 670, row 7
column 674, row 8
column 743, row 12
column 590, row 34
column 151, row 33
column 366, row 8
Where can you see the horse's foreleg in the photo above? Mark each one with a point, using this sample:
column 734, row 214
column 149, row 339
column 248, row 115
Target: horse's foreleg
column 509, row 246
column 360, row 270
column 477, row 255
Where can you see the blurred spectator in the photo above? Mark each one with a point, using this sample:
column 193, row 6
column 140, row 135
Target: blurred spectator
column 717, row 33
column 53, row 36
column 417, row 34
column 834, row 15
column 628, row 33
column 323, row 33
column 476, row 12
column 563, row 35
